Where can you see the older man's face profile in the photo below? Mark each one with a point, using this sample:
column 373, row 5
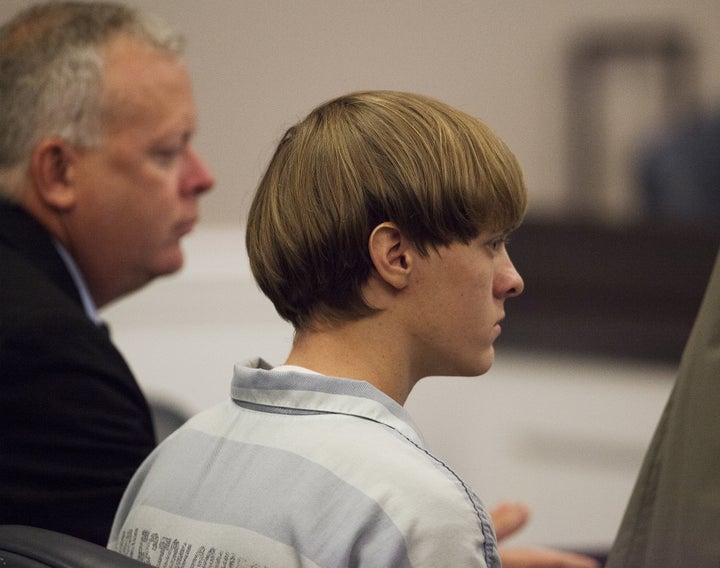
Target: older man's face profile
column 138, row 190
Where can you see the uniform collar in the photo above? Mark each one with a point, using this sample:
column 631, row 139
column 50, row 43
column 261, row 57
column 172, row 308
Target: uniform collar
column 258, row 384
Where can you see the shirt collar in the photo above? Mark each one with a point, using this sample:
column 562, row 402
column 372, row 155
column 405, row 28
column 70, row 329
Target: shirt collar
column 85, row 297
column 258, row 384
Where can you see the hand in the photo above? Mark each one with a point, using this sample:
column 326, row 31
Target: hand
column 544, row 558
column 509, row 518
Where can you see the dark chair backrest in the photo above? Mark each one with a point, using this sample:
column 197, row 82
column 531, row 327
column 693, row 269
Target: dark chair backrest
column 31, row 547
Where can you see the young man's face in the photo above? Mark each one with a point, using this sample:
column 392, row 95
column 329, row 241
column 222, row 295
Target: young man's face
column 460, row 303
column 138, row 190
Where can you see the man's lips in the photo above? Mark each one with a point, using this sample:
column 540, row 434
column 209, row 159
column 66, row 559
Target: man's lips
column 497, row 327
column 185, row 227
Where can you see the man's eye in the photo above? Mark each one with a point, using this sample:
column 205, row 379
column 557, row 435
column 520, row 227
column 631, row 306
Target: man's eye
column 499, row 243
column 166, row 156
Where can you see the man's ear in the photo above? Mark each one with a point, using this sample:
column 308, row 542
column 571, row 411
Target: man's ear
column 392, row 254
column 51, row 167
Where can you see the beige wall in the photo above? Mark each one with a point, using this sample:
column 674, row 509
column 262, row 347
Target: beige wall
column 260, row 65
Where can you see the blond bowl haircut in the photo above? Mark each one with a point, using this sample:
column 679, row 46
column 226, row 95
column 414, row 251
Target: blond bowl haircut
column 359, row 160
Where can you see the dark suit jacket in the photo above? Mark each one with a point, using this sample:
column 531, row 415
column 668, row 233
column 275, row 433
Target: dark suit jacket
column 74, row 424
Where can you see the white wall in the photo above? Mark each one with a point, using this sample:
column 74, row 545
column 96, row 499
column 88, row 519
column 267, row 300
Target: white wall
column 261, row 65
column 566, row 435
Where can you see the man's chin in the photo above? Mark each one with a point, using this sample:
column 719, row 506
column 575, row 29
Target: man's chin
column 486, row 362
column 479, row 366
column 171, row 262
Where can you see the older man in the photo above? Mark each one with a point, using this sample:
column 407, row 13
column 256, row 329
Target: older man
column 98, row 184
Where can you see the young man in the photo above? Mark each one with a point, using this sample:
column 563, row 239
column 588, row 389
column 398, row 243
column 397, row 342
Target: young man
column 379, row 231
column 98, row 184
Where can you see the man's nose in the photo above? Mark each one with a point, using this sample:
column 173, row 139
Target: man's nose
column 508, row 283
column 197, row 178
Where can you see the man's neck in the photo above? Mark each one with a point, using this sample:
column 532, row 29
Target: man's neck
column 360, row 350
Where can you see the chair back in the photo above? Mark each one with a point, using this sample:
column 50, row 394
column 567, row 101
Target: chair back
column 31, row 547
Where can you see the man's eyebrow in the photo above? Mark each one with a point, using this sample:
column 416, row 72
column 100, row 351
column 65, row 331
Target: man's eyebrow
column 501, row 231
